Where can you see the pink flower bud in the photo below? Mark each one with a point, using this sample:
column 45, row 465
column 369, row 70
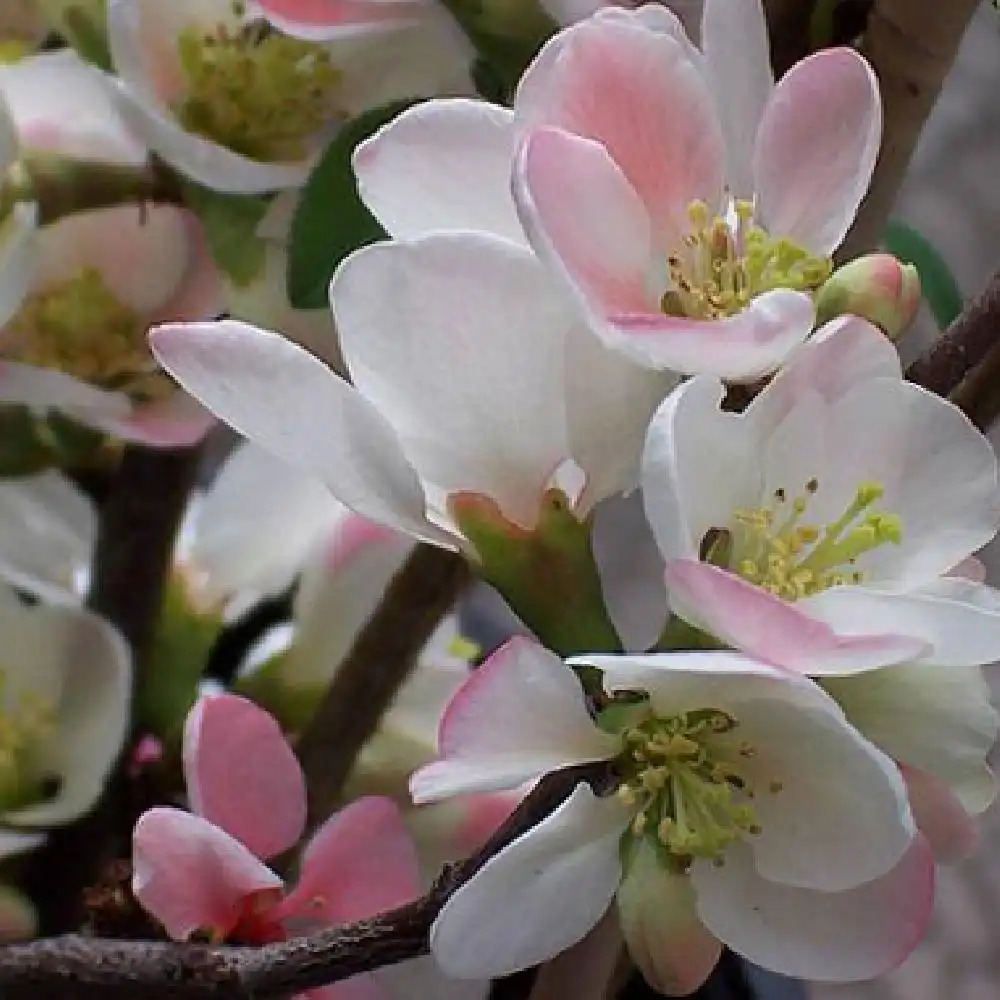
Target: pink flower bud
column 878, row 287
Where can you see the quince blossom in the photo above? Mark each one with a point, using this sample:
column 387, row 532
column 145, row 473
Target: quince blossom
column 65, row 681
column 237, row 106
column 472, row 380
column 681, row 199
column 204, row 871
column 819, row 531
column 743, row 808
column 75, row 338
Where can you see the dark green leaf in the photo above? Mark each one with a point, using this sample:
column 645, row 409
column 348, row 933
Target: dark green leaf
column 938, row 283
column 330, row 219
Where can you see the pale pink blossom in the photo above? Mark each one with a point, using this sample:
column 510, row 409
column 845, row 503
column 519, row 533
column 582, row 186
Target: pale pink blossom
column 817, row 875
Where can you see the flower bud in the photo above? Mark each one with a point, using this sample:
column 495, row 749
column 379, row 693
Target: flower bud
column 878, row 287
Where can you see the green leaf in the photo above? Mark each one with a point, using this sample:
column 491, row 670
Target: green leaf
column 330, row 220
column 231, row 222
column 31, row 443
column 938, row 283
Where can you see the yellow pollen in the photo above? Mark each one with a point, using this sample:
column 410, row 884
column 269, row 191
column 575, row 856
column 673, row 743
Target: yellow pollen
column 78, row 326
column 721, row 266
column 27, row 721
column 793, row 559
column 256, row 91
column 688, row 787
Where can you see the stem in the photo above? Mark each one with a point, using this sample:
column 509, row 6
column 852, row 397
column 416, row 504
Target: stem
column 79, row 968
column 911, row 44
column 382, row 658
column 979, row 395
column 63, row 186
column 967, row 342
column 135, row 542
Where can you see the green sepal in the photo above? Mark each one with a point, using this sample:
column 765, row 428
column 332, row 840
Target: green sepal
column 936, row 279
column 330, row 220
column 292, row 705
column 31, row 443
column 231, row 222
column 678, row 635
column 622, row 713
column 547, row 574
column 182, row 642
column 86, row 30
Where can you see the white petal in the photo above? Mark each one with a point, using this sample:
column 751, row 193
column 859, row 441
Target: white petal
column 291, row 404
column 82, row 664
column 738, row 68
column 935, row 718
column 48, row 534
column 18, row 258
column 256, row 526
column 828, row 936
column 406, row 171
column 518, row 716
column 665, row 936
column 460, row 342
column 43, row 389
column 698, row 467
column 536, row 897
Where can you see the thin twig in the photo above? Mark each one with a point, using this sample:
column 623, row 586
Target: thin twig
column 383, row 656
column 78, row 968
column 978, row 397
column 135, row 541
column 911, row 44
column 963, row 346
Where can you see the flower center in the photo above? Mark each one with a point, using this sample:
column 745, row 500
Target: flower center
column 26, row 724
column 722, row 265
column 254, row 90
column 78, row 326
column 683, row 775
column 773, row 548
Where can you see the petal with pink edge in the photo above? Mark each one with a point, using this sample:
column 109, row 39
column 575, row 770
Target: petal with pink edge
column 291, row 404
column 406, row 174
column 191, row 875
column 665, row 937
column 360, row 862
column 176, row 421
column 952, row 833
column 518, row 716
column 242, row 775
column 537, row 896
column 830, row 937
column 319, row 20
column 816, row 148
column 740, row 348
column 769, row 628
column 635, row 92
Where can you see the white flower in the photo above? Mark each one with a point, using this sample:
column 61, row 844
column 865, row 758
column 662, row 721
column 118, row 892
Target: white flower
column 266, row 135
column 746, row 811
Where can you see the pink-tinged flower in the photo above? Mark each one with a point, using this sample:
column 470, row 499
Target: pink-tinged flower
column 816, row 531
column 204, row 871
column 177, row 64
column 65, row 684
column 746, row 810
column 75, row 340
column 685, row 202
column 471, row 377
column 321, row 20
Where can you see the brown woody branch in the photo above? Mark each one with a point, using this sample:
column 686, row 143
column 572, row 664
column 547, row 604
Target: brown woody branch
column 382, row 657
column 78, row 968
column 964, row 345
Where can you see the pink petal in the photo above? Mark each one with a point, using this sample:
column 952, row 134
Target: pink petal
column 363, row 987
column 360, row 862
column 191, row 875
column 816, row 148
column 324, row 19
column 952, row 833
column 768, row 628
column 970, row 568
column 740, row 348
column 583, row 217
column 242, row 775
column 518, row 716
column 636, row 92
column 827, row 936
column 176, row 421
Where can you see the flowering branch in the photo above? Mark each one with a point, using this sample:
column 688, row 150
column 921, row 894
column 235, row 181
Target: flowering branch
column 134, row 545
column 911, row 44
column 79, row 968
column 383, row 655
column 966, row 343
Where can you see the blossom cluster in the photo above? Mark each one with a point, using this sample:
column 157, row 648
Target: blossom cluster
column 618, row 284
